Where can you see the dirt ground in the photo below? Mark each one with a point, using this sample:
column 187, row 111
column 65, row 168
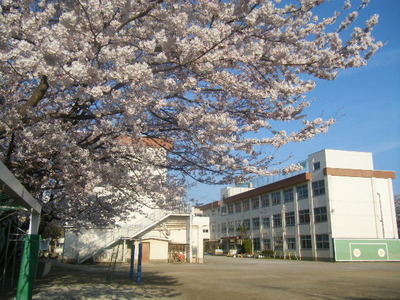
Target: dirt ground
column 226, row 278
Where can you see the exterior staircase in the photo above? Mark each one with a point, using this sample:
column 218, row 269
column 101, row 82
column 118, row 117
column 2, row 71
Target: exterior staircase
column 129, row 231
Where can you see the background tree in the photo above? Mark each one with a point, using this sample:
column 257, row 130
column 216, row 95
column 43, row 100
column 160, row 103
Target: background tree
column 200, row 76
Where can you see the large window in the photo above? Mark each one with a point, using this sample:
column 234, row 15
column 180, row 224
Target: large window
column 255, row 203
column 320, row 214
column 231, row 227
column 302, row 192
column 318, row 187
column 277, row 220
column 230, row 209
column 265, row 200
column 278, row 243
column 289, row 219
column 256, row 223
column 267, row 244
column 266, row 222
column 238, row 207
column 305, row 241
column 257, row 244
column 322, row 241
column 246, row 205
column 246, row 224
column 223, row 227
column 291, row 243
column 223, row 210
column 276, row 198
column 288, row 195
column 304, row 216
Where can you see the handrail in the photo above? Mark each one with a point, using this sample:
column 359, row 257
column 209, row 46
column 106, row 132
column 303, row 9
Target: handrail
column 131, row 230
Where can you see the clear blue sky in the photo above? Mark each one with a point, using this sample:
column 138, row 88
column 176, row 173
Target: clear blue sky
column 366, row 99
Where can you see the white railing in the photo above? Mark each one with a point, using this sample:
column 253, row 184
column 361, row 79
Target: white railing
column 131, row 230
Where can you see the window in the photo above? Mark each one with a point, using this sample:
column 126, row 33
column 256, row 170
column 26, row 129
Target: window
column 255, row 203
column 223, row 210
column 276, row 198
column 289, row 219
column 291, row 243
column 223, row 227
column 238, row 224
column 246, row 205
column 278, row 243
column 256, row 244
column 246, row 224
column 288, row 195
column 231, row 227
column 302, row 192
column 305, row 241
column 320, row 214
column 317, row 165
column 265, row 200
column 267, row 244
column 277, row 220
column 318, row 188
column 256, row 223
column 205, row 230
column 322, row 241
column 230, row 209
column 304, row 216
column 238, row 207
column 265, row 222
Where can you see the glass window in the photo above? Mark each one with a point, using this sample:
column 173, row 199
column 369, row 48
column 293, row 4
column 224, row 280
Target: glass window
column 265, row 200
column 257, row 244
column 267, row 244
column 320, row 214
column 266, row 222
column 255, row 203
column 246, row 224
column 288, row 195
column 223, row 227
column 302, row 192
column 317, row 165
column 291, row 243
column 231, row 227
column 305, row 241
column 246, row 205
column 238, row 207
column 276, row 198
column 318, row 187
column 278, row 243
column 223, row 210
column 256, row 223
column 289, row 219
column 230, row 209
column 322, row 241
column 304, row 216
column 277, row 220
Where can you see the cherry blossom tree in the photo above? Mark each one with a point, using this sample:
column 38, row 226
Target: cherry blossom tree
column 187, row 83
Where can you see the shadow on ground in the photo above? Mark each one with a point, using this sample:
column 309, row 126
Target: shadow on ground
column 92, row 283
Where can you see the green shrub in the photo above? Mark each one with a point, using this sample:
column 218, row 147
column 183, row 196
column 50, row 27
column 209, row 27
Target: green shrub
column 268, row 253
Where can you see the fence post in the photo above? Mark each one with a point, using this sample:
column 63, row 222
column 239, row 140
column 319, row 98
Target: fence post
column 132, row 271
column 139, row 268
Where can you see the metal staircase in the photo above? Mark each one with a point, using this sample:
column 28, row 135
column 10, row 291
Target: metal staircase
column 131, row 231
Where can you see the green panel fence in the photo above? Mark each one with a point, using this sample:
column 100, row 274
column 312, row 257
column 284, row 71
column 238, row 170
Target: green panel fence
column 367, row 250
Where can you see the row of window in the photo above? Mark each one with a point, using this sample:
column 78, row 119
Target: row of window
column 320, row 215
column 274, row 198
column 321, row 243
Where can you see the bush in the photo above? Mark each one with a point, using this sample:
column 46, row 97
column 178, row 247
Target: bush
column 268, row 253
column 246, row 246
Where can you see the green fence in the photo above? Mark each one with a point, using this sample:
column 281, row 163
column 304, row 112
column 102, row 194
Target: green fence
column 366, row 250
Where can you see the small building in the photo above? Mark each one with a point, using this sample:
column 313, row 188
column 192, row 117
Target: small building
column 166, row 236
column 339, row 208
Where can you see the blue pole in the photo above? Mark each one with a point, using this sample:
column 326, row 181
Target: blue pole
column 139, row 267
column 132, row 271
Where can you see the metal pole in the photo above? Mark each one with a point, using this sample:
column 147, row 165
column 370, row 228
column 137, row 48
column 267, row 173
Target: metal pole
column 139, row 268
column 132, row 271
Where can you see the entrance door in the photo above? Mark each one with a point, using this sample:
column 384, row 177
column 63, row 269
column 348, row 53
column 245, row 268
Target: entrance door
column 146, row 253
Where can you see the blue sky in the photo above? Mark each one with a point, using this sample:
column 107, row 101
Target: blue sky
column 367, row 101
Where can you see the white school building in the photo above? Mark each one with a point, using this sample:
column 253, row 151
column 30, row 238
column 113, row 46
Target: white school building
column 338, row 209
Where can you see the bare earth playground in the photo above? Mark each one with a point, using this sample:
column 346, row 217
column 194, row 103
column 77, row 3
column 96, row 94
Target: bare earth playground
column 226, row 278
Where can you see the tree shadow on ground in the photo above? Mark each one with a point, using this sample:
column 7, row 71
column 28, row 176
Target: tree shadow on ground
column 66, row 283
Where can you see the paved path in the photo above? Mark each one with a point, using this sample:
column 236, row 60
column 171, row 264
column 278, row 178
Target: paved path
column 227, row 278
